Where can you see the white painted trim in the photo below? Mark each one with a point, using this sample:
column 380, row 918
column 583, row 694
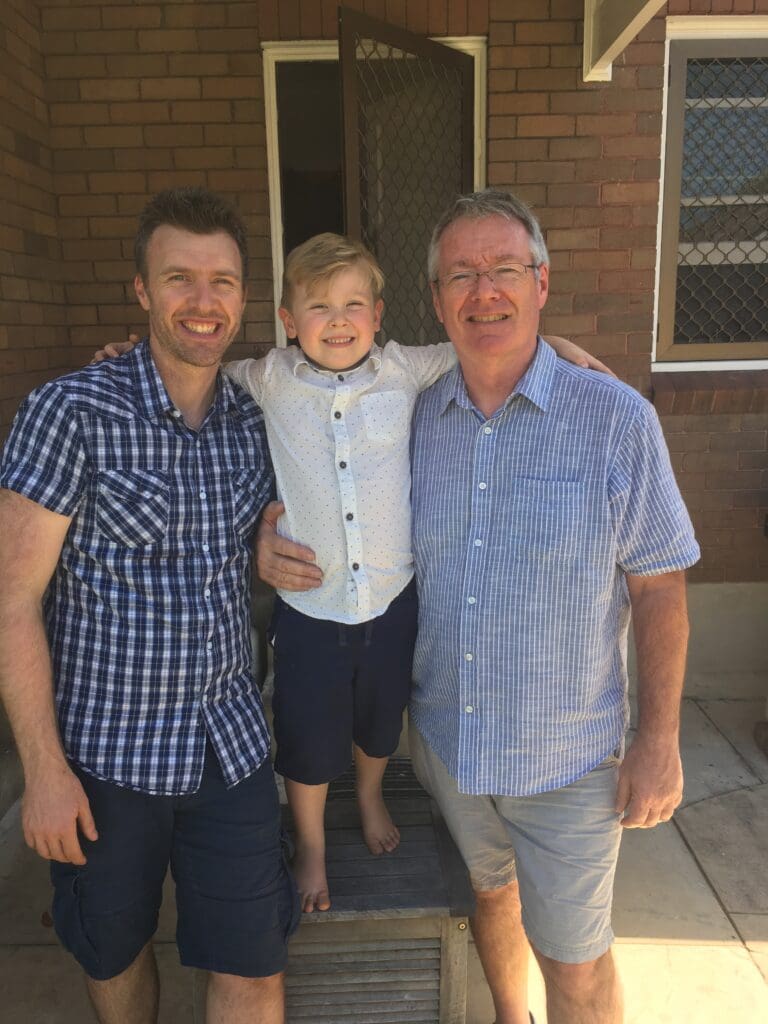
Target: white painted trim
column 328, row 49
column 705, row 26
column 711, row 365
column 717, row 26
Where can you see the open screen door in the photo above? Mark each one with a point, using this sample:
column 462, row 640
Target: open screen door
column 408, row 108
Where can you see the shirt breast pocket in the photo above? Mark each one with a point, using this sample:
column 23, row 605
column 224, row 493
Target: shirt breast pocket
column 548, row 518
column 132, row 505
column 250, row 492
column 386, row 416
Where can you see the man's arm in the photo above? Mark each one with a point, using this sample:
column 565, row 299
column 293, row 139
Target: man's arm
column 281, row 562
column 31, row 538
column 651, row 776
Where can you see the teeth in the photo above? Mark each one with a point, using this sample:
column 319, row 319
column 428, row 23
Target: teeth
column 492, row 318
column 337, row 341
column 199, row 328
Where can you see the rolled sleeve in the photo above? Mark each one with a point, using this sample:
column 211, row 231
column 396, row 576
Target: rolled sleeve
column 44, row 458
column 653, row 529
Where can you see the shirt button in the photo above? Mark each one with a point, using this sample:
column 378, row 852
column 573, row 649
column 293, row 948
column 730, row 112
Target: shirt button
column 355, row 566
column 209, row 646
column 341, row 377
column 349, row 517
column 342, row 465
column 206, row 593
column 468, row 656
column 487, row 430
column 337, row 415
column 482, row 486
column 205, row 547
column 203, row 495
column 478, row 543
column 469, row 709
column 471, row 600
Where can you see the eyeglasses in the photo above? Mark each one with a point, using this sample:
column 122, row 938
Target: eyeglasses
column 506, row 275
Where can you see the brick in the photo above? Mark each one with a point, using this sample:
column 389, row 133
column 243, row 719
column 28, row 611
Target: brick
column 522, row 103
column 739, row 481
column 232, row 88
column 502, row 80
column 521, row 10
column 566, row 57
column 202, row 159
column 78, row 113
column 579, row 102
column 201, row 64
column 597, row 303
column 138, row 65
column 637, row 100
column 145, row 113
column 116, row 41
column 754, row 460
column 113, row 137
column 578, row 238
column 552, row 79
column 573, row 195
column 626, row 280
column 645, row 53
column 620, row 238
column 168, row 88
column 133, row 16
column 173, row 135
column 157, row 180
column 195, row 15
column 605, row 124
column 109, row 89
column 200, row 111
column 117, row 182
column 732, row 401
column 611, row 323
column 547, row 32
column 518, row 57
column 575, row 149
column 740, row 441
column 71, row 18
column 547, row 125
column 142, row 159
column 546, row 171
column 605, row 169
column 167, row 40
column 223, row 40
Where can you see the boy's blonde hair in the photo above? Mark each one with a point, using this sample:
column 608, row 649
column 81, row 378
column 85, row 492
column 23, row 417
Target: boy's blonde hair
column 320, row 257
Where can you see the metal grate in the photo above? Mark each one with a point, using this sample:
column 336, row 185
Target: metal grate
column 722, row 278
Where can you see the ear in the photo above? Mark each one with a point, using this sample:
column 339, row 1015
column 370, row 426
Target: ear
column 378, row 309
column 543, row 284
column 141, row 292
column 436, row 301
column 288, row 323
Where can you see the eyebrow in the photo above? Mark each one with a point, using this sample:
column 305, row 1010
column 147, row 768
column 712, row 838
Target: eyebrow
column 221, row 271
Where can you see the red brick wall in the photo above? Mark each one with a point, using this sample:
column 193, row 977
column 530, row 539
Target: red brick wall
column 145, row 94
column 33, row 338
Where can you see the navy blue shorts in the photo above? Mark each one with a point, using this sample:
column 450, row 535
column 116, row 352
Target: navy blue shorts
column 236, row 899
column 338, row 684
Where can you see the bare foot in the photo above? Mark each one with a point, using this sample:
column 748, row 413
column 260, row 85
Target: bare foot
column 381, row 834
column 311, row 881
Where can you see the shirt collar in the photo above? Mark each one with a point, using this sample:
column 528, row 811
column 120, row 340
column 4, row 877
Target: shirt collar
column 535, row 384
column 300, row 360
column 151, row 396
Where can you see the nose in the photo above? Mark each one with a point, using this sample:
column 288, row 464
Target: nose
column 338, row 316
column 484, row 283
column 203, row 296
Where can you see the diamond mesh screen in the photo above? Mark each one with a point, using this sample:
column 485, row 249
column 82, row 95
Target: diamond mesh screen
column 723, row 242
column 410, row 168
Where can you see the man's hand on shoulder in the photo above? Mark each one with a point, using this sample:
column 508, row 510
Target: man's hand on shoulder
column 650, row 782
column 115, row 349
column 53, row 806
column 281, row 562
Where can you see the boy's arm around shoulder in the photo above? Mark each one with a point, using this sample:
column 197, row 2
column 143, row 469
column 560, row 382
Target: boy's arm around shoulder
column 251, row 374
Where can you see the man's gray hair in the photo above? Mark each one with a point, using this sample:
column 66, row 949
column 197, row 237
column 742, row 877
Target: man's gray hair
column 490, row 202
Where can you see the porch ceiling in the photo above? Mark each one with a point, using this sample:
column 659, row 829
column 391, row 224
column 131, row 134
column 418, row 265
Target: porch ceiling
column 609, row 26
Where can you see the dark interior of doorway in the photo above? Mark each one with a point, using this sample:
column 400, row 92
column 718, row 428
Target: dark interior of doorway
column 309, row 135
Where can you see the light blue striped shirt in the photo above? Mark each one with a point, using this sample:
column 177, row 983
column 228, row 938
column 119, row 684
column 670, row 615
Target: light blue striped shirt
column 525, row 525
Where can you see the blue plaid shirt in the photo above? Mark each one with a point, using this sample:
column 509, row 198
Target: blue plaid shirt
column 148, row 612
column 525, row 525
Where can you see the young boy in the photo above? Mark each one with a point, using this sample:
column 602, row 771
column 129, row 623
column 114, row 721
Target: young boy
column 338, row 410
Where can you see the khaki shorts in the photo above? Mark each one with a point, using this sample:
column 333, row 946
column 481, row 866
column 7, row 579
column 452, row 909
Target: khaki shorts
column 561, row 846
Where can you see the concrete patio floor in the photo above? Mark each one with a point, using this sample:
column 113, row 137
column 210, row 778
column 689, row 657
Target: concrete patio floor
column 691, row 911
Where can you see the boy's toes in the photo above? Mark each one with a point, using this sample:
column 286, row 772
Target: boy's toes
column 311, row 901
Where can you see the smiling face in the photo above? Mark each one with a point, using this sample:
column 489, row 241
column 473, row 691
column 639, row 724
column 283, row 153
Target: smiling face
column 194, row 294
column 336, row 320
column 489, row 324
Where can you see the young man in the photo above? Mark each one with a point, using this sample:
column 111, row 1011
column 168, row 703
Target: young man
column 131, row 493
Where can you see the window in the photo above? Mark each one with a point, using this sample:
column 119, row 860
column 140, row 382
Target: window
column 714, row 237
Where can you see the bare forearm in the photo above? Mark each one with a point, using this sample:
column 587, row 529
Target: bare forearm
column 26, row 685
column 660, row 622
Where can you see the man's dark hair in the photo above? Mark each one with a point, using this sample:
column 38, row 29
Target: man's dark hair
column 192, row 209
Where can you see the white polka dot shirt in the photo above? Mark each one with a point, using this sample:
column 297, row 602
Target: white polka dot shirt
column 340, row 447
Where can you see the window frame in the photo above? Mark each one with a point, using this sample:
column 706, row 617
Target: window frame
column 689, row 38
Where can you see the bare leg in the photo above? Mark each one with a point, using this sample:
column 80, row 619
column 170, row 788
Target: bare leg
column 131, row 997
column 503, row 950
column 379, row 831
column 588, row 993
column 235, row 1000
column 308, row 809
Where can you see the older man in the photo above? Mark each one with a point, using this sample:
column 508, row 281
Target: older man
column 131, row 494
column 544, row 511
